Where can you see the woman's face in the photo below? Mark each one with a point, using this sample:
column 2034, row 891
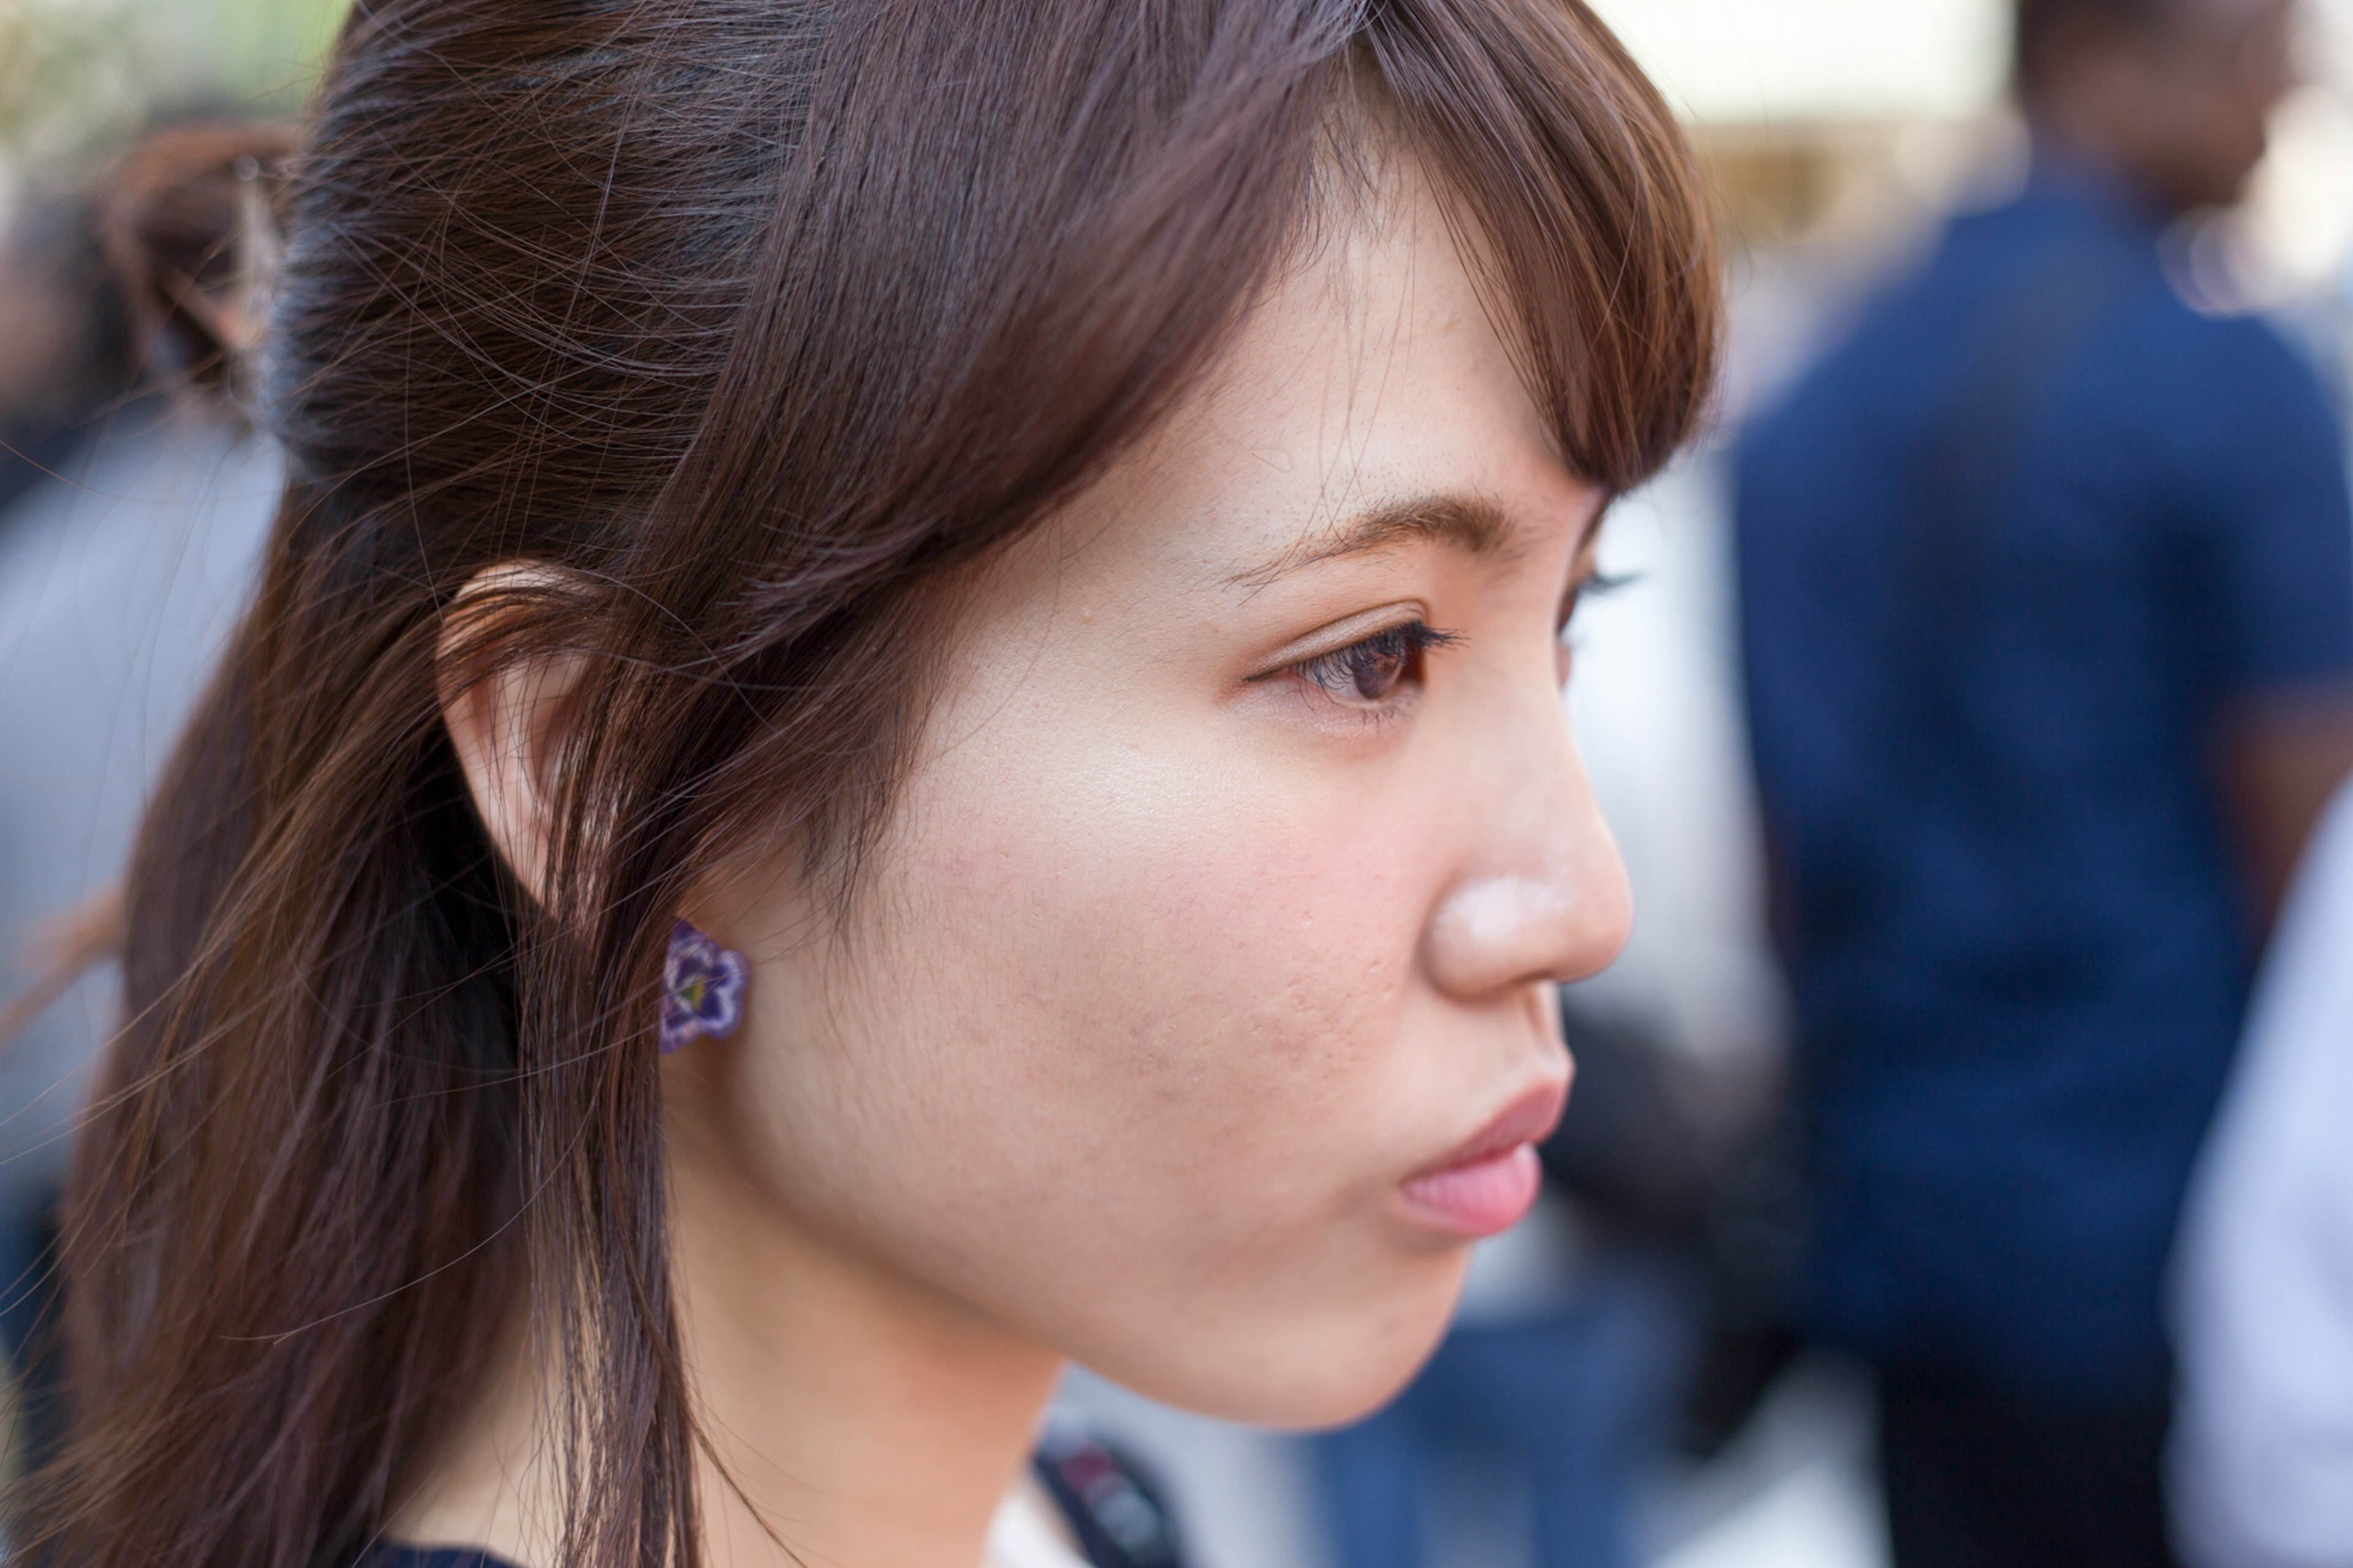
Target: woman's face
column 1215, row 936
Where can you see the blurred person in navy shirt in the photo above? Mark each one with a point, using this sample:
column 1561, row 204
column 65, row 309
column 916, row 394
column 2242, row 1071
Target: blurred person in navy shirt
column 2047, row 593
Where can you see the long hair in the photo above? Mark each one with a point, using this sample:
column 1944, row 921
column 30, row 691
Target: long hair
column 756, row 323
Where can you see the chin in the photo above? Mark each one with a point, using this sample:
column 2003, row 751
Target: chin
column 1296, row 1375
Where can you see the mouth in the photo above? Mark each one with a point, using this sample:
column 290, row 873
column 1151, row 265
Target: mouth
column 1490, row 1180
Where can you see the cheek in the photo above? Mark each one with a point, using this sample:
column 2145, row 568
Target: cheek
column 1197, row 985
column 1126, row 1070
column 1130, row 1057
column 1187, row 1090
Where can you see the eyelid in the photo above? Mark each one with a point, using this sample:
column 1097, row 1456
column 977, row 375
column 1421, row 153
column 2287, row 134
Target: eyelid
column 1340, row 635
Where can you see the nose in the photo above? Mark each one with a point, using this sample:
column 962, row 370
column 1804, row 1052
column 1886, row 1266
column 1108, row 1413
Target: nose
column 1542, row 893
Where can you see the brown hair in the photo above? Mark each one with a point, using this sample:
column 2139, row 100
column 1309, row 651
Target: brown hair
column 757, row 322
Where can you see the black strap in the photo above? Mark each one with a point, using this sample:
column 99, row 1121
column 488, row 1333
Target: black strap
column 1113, row 1507
column 2064, row 296
column 1919, row 731
column 389, row 1554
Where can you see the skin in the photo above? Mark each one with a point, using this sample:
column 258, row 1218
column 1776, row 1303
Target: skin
column 1176, row 965
column 2281, row 762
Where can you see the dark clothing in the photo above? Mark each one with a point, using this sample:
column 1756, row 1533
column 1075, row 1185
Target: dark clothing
column 1113, row 1507
column 1975, row 1477
column 1983, row 696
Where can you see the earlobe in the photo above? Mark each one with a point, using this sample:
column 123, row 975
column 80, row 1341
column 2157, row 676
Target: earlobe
column 703, row 988
column 510, row 712
column 508, row 715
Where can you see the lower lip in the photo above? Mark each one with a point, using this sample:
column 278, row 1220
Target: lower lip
column 1480, row 1198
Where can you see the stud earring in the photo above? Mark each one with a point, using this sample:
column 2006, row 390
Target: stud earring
column 703, row 988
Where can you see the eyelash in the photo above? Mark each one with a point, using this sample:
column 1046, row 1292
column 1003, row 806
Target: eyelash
column 1344, row 674
column 1596, row 586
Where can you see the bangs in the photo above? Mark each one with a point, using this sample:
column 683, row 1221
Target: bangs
column 1578, row 207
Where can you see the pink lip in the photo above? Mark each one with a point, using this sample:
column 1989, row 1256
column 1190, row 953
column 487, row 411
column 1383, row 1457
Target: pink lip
column 1491, row 1179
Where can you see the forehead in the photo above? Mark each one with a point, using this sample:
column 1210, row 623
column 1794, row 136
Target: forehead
column 1368, row 375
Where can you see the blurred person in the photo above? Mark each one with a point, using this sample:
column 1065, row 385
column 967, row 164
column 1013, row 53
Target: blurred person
column 123, row 563
column 61, row 350
column 2262, row 1456
column 2047, row 592
column 77, row 331
column 903, row 723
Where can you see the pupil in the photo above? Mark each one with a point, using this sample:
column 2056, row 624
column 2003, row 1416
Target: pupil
column 1378, row 666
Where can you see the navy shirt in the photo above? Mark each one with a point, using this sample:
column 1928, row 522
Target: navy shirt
column 2012, row 926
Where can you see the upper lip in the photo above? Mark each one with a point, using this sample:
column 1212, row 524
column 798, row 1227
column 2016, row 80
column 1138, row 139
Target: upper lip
column 1530, row 1119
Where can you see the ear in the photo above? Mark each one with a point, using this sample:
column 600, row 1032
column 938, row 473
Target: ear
column 509, row 715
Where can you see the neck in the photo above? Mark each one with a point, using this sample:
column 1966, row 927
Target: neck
column 2083, row 147
column 855, row 1416
column 866, row 1419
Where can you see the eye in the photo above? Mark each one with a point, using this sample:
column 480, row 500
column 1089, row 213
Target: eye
column 1368, row 673
column 1592, row 585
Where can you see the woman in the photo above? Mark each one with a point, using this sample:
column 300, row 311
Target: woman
column 990, row 573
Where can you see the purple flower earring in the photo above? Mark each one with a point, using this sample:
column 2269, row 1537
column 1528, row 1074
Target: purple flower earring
column 703, row 988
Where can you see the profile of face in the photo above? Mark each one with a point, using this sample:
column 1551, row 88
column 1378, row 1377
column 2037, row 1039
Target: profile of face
column 1195, row 1012
column 2188, row 101
column 2225, row 67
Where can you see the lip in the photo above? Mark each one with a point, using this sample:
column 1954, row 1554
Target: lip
column 1490, row 1179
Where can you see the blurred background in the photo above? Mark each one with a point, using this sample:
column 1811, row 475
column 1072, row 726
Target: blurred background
column 1838, row 134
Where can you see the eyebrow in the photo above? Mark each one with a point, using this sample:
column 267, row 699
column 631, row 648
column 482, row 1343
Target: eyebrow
column 1475, row 527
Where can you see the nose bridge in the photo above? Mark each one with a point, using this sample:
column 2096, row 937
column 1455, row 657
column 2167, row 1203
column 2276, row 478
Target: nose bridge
column 1567, row 835
column 1541, row 893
